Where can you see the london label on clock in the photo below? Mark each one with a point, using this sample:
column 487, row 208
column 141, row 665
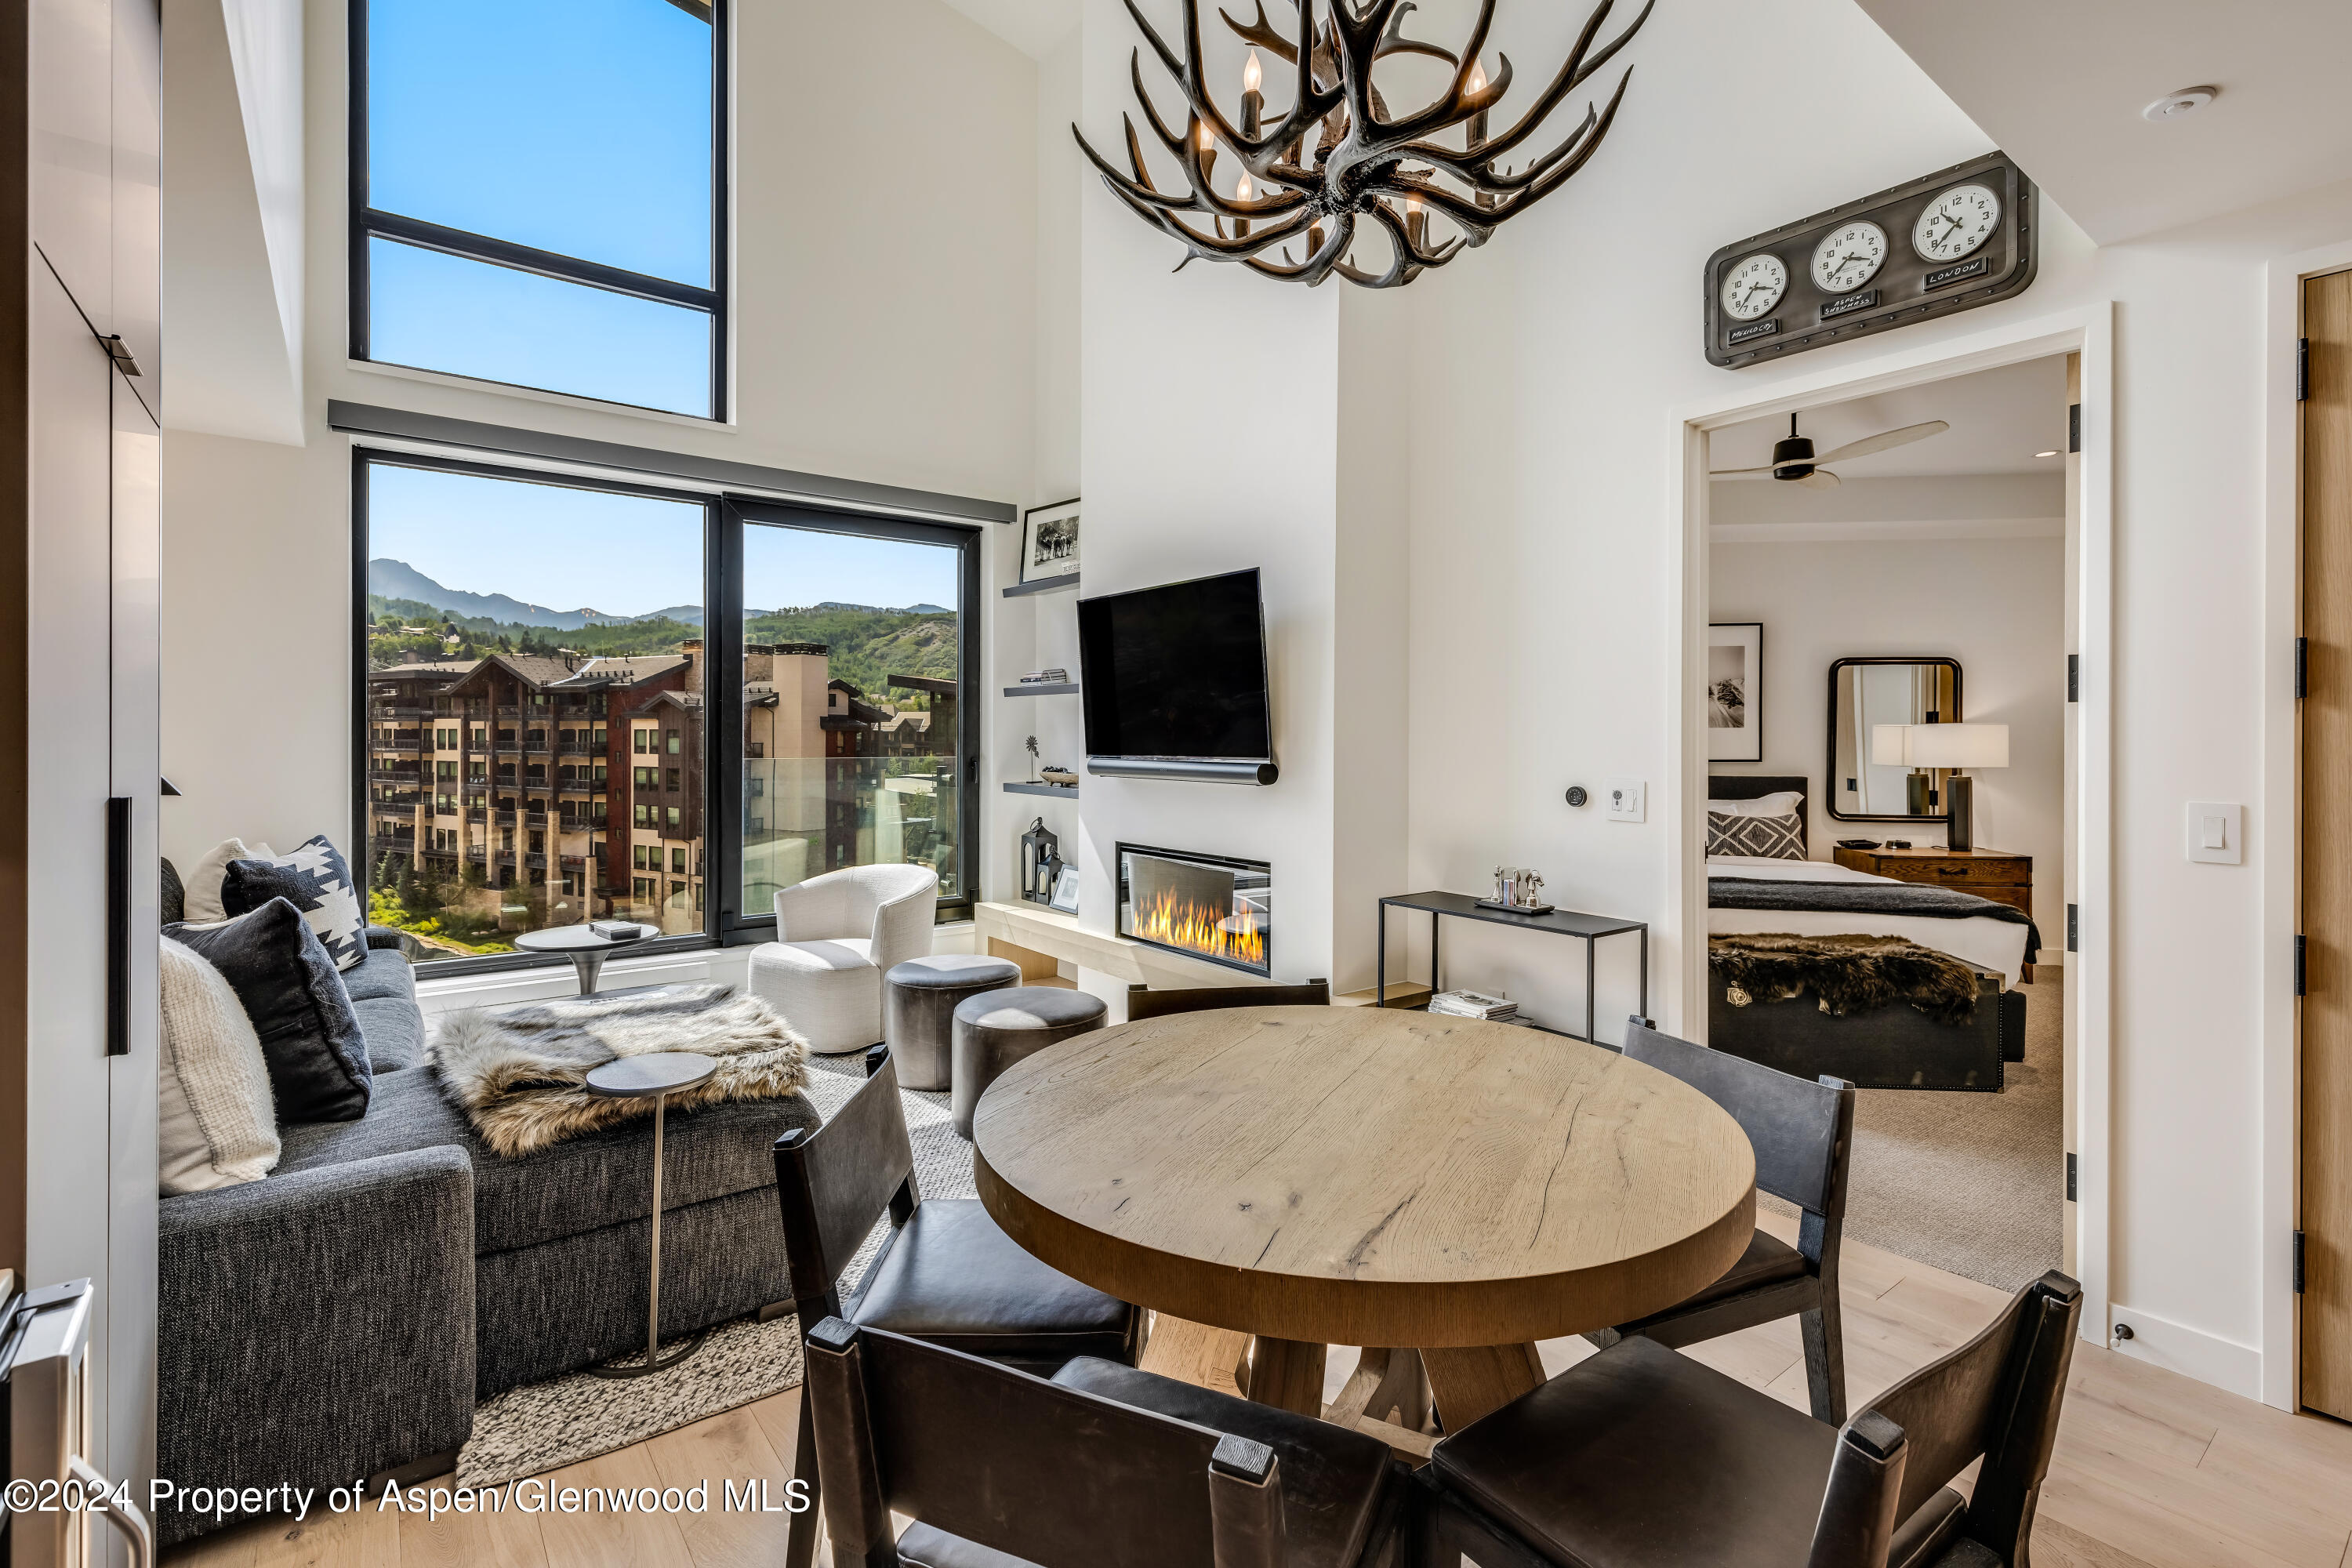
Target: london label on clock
column 1949, row 241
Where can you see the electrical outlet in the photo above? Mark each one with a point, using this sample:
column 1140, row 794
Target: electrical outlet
column 1626, row 798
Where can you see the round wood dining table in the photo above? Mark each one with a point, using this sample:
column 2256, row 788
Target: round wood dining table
column 1367, row 1176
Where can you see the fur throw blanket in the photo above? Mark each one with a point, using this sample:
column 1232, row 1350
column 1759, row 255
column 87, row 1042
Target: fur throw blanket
column 1846, row 974
column 521, row 1074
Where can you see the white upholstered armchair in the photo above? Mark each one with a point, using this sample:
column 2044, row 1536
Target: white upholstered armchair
column 836, row 936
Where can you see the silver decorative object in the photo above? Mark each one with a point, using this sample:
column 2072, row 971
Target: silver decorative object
column 1339, row 156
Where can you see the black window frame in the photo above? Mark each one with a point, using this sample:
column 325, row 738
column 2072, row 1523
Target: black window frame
column 725, row 516
column 367, row 223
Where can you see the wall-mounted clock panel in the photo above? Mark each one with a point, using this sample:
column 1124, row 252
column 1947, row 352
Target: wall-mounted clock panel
column 1954, row 241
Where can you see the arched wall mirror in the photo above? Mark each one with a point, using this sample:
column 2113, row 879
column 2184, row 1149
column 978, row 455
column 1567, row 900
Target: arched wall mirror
column 1868, row 780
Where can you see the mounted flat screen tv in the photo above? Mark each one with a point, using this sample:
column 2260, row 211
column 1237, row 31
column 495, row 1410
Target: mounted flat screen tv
column 1173, row 679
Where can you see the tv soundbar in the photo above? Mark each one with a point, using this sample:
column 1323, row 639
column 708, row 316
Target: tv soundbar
column 1202, row 771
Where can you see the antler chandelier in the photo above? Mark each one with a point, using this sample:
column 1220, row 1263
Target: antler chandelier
column 1338, row 158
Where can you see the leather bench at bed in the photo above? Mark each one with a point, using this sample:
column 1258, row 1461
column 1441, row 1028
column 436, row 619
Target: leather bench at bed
column 1895, row 1046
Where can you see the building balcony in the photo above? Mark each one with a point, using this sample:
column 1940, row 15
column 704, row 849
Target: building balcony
column 400, row 710
column 477, row 853
column 478, row 814
column 412, row 777
column 534, row 860
column 413, row 746
column 576, row 786
column 575, row 862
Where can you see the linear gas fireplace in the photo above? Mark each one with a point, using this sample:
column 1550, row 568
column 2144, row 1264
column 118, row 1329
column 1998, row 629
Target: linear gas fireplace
column 1203, row 905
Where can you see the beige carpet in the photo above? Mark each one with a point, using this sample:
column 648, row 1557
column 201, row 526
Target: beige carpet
column 1972, row 1183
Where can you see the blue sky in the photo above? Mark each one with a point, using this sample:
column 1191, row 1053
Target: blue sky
column 577, row 126
column 625, row 555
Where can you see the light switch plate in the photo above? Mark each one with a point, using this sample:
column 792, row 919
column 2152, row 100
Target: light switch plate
column 2216, row 833
column 1626, row 799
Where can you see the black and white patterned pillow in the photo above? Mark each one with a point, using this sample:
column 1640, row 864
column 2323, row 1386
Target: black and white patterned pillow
column 1769, row 837
column 314, row 879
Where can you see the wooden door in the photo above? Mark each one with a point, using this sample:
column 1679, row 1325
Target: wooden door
column 2325, row 840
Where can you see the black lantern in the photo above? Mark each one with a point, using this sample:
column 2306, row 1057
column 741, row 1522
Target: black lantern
column 1041, row 863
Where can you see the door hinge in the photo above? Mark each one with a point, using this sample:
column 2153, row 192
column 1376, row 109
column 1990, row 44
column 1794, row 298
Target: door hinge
column 2298, row 1263
column 2302, row 667
column 2070, row 1178
column 2301, row 968
column 2303, row 370
column 2073, row 426
column 2074, row 928
column 2074, row 678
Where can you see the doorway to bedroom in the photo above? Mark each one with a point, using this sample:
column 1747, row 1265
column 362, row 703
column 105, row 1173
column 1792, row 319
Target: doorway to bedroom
column 1888, row 792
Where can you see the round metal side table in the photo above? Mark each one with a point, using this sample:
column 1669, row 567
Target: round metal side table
column 656, row 1076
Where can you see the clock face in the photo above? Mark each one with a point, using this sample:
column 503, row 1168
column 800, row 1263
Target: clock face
column 1956, row 223
column 1754, row 286
column 1849, row 258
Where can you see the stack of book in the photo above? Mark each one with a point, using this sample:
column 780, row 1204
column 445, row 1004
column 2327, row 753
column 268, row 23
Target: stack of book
column 1046, row 678
column 1476, row 1005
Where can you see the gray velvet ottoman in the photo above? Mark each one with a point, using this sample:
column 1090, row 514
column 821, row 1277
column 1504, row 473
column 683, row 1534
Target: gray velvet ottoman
column 920, row 998
column 997, row 1029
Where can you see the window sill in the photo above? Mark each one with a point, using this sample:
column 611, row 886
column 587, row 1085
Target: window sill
column 535, row 395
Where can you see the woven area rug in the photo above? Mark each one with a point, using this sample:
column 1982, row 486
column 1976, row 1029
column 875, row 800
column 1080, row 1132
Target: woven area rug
column 543, row 1426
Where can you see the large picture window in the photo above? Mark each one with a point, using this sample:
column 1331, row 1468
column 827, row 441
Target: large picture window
column 538, row 670
column 536, row 195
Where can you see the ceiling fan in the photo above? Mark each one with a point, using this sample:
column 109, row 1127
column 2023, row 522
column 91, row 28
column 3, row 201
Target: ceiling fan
column 1793, row 458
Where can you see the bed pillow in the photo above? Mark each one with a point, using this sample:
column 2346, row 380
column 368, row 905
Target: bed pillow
column 202, row 882
column 1779, row 803
column 1780, row 838
column 215, row 1126
column 319, row 1069
column 314, row 879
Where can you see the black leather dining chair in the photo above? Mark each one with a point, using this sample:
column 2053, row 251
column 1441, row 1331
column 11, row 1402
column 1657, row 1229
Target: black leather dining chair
column 1103, row 1465
column 1803, row 1137
column 1641, row 1458
column 1142, row 1002
column 946, row 1272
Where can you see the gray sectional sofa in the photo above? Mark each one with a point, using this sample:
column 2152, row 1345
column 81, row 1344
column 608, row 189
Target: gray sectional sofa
column 340, row 1316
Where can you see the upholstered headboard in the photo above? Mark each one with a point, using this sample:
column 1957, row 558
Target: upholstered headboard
column 1748, row 786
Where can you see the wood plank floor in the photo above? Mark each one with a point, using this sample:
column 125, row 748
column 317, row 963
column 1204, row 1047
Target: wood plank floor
column 2152, row 1470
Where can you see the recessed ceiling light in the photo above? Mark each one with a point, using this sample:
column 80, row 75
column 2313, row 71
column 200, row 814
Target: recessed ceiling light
column 2187, row 100
column 2045, row 454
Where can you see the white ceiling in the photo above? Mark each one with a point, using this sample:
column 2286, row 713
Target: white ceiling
column 1999, row 418
column 1033, row 27
column 2060, row 88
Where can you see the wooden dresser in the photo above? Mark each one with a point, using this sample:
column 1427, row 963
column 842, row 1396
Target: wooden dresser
column 1994, row 874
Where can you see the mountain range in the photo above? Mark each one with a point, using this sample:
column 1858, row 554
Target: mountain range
column 399, row 580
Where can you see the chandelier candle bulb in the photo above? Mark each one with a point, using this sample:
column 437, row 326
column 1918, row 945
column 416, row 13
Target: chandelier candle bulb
column 1416, row 221
column 1242, row 194
column 1252, row 101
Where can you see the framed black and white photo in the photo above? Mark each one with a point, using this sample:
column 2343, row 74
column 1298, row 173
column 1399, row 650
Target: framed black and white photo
column 1049, row 541
column 1735, row 692
column 1066, row 890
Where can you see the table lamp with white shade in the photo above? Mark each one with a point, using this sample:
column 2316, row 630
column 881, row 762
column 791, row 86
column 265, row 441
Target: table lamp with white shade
column 1952, row 746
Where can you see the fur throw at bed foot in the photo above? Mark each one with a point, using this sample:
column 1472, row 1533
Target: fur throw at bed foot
column 1846, row 974
column 522, row 1073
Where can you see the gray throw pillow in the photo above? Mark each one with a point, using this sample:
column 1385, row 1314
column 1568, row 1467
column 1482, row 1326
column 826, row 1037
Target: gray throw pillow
column 314, row 879
column 319, row 1068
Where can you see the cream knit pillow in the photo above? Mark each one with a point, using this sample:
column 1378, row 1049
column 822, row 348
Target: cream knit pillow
column 203, row 881
column 216, row 1123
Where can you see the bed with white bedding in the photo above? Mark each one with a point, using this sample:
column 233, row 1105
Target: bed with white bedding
column 1889, row 1046
column 1989, row 943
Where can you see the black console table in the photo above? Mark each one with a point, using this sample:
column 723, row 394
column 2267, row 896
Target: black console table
column 1556, row 922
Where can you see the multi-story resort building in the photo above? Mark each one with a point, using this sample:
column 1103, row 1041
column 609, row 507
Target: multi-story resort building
column 575, row 783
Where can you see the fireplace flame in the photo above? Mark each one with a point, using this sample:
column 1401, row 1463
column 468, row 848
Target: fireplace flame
column 1196, row 927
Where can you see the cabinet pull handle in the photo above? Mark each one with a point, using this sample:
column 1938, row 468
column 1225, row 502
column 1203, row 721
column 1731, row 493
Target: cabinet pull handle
column 118, row 926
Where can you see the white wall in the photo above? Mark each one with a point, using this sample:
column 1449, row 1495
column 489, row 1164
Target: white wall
column 1208, row 443
column 1548, row 377
column 1995, row 604
column 886, row 250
